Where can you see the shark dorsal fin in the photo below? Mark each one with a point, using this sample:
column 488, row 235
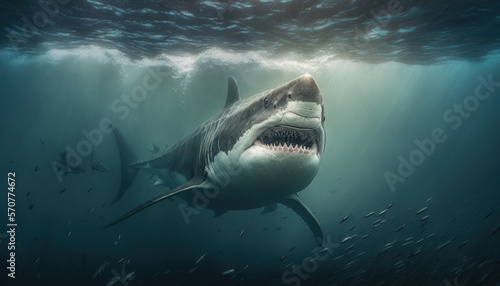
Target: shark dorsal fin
column 233, row 92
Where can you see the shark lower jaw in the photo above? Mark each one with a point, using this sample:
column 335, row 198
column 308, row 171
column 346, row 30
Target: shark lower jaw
column 289, row 140
column 282, row 160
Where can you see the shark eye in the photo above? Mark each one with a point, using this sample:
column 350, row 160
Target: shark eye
column 266, row 102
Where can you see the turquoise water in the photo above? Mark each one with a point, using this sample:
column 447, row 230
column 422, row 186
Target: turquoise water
column 395, row 136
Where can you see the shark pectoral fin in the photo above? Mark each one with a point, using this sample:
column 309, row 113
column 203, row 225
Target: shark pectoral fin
column 269, row 208
column 218, row 213
column 126, row 157
column 296, row 204
column 192, row 184
column 233, row 92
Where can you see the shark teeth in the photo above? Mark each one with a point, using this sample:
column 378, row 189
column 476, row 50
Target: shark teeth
column 290, row 136
column 289, row 147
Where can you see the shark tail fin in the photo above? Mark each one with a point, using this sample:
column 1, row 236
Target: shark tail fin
column 126, row 157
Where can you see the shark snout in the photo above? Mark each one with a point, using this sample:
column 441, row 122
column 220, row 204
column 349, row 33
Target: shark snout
column 305, row 88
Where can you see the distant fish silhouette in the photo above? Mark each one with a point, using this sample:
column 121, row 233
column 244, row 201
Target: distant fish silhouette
column 344, row 218
column 382, row 212
column 97, row 164
column 495, row 229
column 369, row 214
column 197, row 263
column 488, row 215
column 65, row 164
column 422, row 210
column 99, row 271
column 155, row 149
column 227, row 272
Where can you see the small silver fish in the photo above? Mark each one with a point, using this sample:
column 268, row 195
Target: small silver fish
column 422, row 210
column 382, row 212
column 443, row 245
column 227, row 272
column 344, row 218
column 200, row 260
column 425, row 217
column 407, row 243
column 369, row 214
column 346, row 239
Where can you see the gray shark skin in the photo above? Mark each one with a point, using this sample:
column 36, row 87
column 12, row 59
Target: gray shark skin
column 257, row 152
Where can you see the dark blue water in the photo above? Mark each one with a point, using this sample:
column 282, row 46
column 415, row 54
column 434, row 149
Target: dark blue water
column 411, row 92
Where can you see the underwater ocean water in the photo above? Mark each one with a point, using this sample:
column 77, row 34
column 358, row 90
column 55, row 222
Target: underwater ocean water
column 408, row 192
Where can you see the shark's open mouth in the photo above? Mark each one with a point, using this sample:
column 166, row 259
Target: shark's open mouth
column 284, row 138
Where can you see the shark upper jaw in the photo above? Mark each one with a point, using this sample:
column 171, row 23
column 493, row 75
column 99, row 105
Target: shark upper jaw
column 297, row 130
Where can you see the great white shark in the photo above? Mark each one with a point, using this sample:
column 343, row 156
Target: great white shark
column 258, row 152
